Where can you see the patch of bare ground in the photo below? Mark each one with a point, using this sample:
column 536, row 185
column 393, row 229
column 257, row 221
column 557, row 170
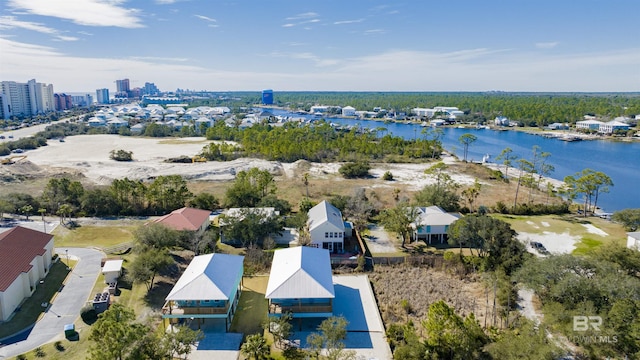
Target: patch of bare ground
column 405, row 293
column 165, row 281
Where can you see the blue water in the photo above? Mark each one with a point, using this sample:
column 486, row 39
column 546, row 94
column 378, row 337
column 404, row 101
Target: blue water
column 619, row 160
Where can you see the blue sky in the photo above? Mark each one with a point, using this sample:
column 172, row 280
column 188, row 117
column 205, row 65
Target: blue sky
column 348, row 45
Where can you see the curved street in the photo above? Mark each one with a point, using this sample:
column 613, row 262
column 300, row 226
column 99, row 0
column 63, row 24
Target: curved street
column 66, row 307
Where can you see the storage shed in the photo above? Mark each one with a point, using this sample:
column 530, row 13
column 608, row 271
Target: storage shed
column 112, row 270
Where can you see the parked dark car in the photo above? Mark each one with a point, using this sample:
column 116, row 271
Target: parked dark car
column 539, row 247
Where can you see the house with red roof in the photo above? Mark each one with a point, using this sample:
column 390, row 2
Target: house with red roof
column 25, row 259
column 186, row 219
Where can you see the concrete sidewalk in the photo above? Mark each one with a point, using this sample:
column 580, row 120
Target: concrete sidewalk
column 67, row 305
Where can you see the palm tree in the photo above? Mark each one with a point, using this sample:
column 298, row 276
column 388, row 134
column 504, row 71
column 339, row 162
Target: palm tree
column 255, row 347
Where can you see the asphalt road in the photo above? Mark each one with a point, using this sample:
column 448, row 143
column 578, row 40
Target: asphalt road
column 27, row 131
column 67, row 305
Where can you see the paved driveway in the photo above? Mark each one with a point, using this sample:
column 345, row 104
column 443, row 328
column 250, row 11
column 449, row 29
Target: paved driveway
column 67, row 305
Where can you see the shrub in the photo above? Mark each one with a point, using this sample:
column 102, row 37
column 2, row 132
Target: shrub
column 58, row 345
column 39, row 352
column 388, row 176
column 88, row 314
column 355, row 170
column 121, row 155
column 21, row 357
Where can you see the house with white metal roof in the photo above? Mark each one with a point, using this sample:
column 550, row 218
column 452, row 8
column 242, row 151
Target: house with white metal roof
column 208, row 290
column 432, row 224
column 301, row 283
column 326, row 227
column 612, row 126
column 633, row 240
column 590, row 124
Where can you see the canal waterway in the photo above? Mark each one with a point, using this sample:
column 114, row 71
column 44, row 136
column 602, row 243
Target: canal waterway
column 619, row 160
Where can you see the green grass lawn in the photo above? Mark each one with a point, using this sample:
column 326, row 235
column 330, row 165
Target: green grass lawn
column 252, row 308
column 32, row 308
column 93, row 236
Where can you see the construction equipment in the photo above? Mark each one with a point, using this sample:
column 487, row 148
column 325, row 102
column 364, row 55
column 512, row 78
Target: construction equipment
column 198, row 158
column 12, row 159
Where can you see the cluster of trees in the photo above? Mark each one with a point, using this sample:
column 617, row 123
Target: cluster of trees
column 446, row 335
column 532, row 109
column 327, row 343
column 321, row 142
column 590, row 184
column 117, row 336
column 629, row 218
column 67, row 197
column 605, row 284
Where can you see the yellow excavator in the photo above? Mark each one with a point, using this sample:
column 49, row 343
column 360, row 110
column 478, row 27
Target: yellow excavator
column 12, row 159
column 198, row 158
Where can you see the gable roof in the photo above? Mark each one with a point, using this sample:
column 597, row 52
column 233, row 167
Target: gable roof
column 209, row 277
column 434, row 215
column 325, row 212
column 18, row 247
column 185, row 219
column 300, row 273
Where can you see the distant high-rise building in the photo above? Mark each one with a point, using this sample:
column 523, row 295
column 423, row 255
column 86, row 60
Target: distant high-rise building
column 267, row 97
column 82, row 100
column 5, row 109
column 151, row 89
column 136, row 93
column 41, row 96
column 122, row 85
column 28, row 99
column 63, row 101
column 122, row 88
column 102, row 96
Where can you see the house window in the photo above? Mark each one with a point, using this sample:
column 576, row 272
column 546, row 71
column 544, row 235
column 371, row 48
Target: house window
column 341, row 234
column 428, row 228
column 326, row 235
column 330, row 234
column 446, row 227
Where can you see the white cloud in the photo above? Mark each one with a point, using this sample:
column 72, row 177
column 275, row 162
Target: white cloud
column 342, row 22
column 10, row 22
column 547, row 45
column 394, row 70
column 307, row 15
column 83, row 12
column 206, row 18
column 159, row 59
column 301, row 19
column 375, row 31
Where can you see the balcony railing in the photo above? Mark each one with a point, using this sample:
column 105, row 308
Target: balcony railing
column 195, row 310
column 320, row 308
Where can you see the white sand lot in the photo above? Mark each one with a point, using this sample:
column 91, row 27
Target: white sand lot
column 594, row 230
column 89, row 155
column 555, row 243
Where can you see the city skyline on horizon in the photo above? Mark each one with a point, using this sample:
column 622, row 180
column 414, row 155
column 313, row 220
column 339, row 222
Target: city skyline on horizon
column 459, row 46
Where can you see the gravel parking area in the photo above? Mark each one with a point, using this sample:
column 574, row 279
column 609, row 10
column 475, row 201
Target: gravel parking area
column 379, row 240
